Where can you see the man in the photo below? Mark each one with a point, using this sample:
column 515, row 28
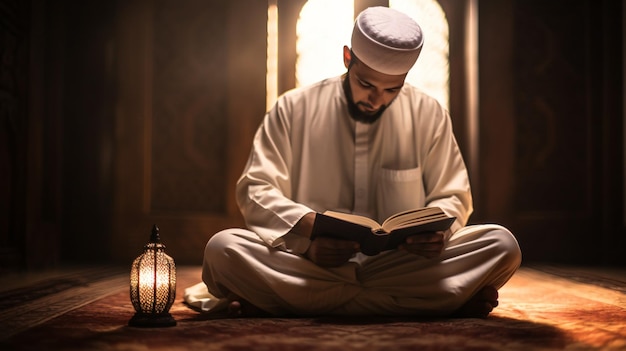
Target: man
column 365, row 143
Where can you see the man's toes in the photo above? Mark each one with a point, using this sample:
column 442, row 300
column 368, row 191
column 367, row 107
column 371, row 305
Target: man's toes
column 235, row 309
column 481, row 304
column 479, row 310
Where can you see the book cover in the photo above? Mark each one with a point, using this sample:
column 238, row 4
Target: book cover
column 374, row 240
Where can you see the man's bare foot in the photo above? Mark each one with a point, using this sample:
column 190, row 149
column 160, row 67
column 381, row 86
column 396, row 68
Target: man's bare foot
column 480, row 305
column 238, row 307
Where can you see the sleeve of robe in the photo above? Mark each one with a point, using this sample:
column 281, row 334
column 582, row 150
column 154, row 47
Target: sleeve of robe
column 263, row 191
column 446, row 181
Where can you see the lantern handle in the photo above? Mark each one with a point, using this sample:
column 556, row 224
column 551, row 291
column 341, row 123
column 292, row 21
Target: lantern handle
column 154, row 238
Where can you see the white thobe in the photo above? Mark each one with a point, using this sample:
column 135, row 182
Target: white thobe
column 308, row 155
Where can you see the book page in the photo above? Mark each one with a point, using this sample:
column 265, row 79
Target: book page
column 364, row 221
column 413, row 217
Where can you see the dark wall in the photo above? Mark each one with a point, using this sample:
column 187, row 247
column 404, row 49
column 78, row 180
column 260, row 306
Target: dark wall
column 551, row 126
column 87, row 93
column 14, row 128
column 550, row 163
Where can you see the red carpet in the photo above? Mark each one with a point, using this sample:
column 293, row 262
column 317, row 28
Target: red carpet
column 538, row 311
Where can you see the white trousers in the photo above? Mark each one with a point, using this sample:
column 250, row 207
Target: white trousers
column 391, row 283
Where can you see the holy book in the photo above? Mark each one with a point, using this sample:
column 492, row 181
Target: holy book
column 374, row 237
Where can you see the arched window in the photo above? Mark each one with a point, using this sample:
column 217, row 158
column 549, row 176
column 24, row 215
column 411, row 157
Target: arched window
column 431, row 72
column 314, row 32
column 324, row 26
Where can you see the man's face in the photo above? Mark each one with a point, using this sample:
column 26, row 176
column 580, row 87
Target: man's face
column 369, row 92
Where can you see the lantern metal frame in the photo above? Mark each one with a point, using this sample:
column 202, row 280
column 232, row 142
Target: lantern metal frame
column 153, row 285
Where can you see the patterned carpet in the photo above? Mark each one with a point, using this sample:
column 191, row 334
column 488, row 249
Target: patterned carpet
column 540, row 309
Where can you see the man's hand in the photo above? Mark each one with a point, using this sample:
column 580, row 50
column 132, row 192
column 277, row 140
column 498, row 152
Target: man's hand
column 329, row 252
column 429, row 245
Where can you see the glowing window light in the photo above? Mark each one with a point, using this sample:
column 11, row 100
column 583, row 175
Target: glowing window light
column 323, row 28
column 271, row 80
column 431, row 73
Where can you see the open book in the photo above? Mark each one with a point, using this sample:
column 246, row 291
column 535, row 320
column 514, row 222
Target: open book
column 374, row 237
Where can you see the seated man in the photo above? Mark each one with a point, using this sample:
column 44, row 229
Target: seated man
column 366, row 143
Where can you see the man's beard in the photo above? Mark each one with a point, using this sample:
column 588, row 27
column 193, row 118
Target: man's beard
column 353, row 108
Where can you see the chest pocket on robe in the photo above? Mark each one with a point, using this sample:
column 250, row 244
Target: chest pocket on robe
column 399, row 190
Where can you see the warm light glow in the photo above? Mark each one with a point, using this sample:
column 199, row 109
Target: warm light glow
column 153, row 282
column 153, row 285
column 324, row 27
column 431, row 73
column 271, row 80
column 472, row 97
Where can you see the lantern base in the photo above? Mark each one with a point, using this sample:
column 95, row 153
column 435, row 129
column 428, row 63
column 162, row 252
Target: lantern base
column 156, row 320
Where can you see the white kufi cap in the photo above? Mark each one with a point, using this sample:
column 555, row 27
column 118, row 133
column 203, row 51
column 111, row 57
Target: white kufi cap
column 386, row 40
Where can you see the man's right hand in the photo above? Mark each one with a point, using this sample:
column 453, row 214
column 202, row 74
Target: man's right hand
column 329, row 252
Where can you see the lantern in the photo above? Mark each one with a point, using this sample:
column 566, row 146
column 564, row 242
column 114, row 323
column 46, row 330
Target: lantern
column 153, row 285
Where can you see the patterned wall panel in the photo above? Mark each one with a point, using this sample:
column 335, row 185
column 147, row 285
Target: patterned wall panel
column 552, row 109
column 189, row 109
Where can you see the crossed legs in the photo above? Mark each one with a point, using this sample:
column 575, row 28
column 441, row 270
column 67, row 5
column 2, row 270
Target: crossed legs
column 463, row 281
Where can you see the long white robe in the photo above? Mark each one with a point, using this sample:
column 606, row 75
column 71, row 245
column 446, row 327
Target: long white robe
column 308, row 155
